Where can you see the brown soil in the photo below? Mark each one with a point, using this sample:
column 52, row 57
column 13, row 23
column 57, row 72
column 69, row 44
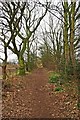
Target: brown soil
column 31, row 96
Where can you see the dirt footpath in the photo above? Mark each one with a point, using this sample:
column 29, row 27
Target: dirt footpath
column 31, row 96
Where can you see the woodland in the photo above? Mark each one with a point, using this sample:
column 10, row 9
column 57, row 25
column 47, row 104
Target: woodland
column 43, row 80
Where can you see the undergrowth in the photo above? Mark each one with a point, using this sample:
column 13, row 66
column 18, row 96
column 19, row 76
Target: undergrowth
column 55, row 78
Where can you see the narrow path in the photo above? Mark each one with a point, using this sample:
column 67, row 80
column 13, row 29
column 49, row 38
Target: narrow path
column 39, row 94
column 31, row 97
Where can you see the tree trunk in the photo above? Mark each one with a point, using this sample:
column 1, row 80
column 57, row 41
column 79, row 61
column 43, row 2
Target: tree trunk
column 4, row 73
column 65, row 35
column 72, row 32
column 21, row 66
column 28, row 56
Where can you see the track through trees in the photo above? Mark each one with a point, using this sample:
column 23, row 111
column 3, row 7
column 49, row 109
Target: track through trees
column 31, row 96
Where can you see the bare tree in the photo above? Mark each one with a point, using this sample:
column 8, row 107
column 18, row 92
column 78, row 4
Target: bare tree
column 20, row 19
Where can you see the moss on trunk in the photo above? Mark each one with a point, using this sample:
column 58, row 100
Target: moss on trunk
column 21, row 70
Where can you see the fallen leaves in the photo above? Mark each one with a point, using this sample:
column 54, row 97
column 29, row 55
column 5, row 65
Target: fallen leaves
column 32, row 96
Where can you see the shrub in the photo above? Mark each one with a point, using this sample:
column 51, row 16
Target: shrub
column 54, row 78
column 66, row 71
column 78, row 105
column 59, row 89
